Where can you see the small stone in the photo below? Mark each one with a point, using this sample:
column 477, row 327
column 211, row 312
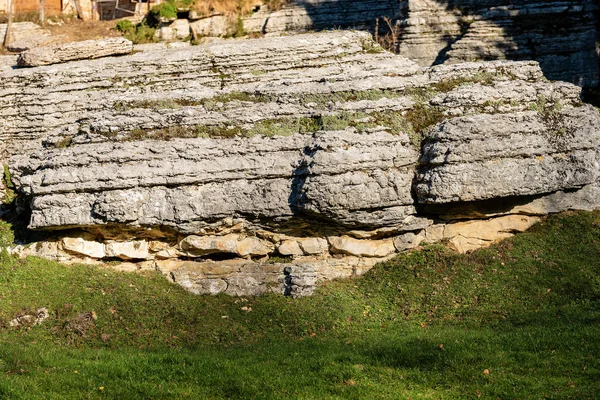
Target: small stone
column 290, row 248
column 313, row 246
column 362, row 248
column 408, row 241
column 252, row 246
column 81, row 246
column 134, row 250
column 203, row 245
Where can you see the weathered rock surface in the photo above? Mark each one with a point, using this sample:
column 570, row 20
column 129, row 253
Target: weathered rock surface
column 361, row 248
column 22, row 31
column 218, row 25
column 243, row 278
column 181, row 183
column 29, row 43
column 560, row 35
column 487, row 156
column 87, row 49
column 471, row 235
column 228, row 244
column 270, row 165
column 307, row 15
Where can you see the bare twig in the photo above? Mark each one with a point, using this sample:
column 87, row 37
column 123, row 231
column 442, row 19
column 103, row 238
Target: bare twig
column 42, row 16
column 11, row 11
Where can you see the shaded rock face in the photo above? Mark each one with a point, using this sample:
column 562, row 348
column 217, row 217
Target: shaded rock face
column 561, row 36
column 305, row 15
column 269, row 165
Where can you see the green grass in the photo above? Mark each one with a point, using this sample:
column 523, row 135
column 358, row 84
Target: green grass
column 140, row 33
column 9, row 194
column 424, row 325
column 413, row 122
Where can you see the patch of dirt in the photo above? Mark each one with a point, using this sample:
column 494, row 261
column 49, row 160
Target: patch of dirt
column 77, row 30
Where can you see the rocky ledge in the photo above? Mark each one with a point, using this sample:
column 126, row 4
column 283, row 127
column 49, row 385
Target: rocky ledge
column 268, row 165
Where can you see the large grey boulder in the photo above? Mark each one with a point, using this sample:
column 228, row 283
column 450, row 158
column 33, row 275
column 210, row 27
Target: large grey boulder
column 183, row 183
column 320, row 128
column 488, row 156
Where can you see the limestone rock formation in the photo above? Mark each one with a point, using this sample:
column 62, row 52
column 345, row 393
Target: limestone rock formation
column 487, row 156
column 306, row 15
column 561, row 36
column 87, row 49
column 25, row 31
column 268, row 165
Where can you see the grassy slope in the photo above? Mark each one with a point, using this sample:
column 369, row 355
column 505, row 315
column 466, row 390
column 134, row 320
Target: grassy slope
column 425, row 325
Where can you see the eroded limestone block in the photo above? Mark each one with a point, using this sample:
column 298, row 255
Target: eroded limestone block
column 361, row 248
column 290, row 248
column 88, row 248
column 490, row 156
column 218, row 25
column 408, row 241
column 133, row 250
column 181, row 28
column 60, row 53
column 232, row 244
column 471, row 235
column 303, row 246
column 455, row 32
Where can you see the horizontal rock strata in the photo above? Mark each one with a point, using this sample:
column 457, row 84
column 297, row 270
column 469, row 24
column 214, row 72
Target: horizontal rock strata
column 307, row 15
column 561, row 36
column 489, row 156
column 87, row 49
column 268, row 165
column 24, row 31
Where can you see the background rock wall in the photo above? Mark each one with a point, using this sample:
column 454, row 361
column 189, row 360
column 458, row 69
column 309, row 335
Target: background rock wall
column 560, row 35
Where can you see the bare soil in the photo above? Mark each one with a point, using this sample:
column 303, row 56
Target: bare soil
column 76, row 30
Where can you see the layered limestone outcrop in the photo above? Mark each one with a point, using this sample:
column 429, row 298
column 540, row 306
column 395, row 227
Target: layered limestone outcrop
column 561, row 36
column 87, row 49
column 269, row 165
column 304, row 15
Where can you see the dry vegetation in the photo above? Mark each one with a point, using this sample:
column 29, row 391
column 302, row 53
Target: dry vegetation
column 210, row 7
